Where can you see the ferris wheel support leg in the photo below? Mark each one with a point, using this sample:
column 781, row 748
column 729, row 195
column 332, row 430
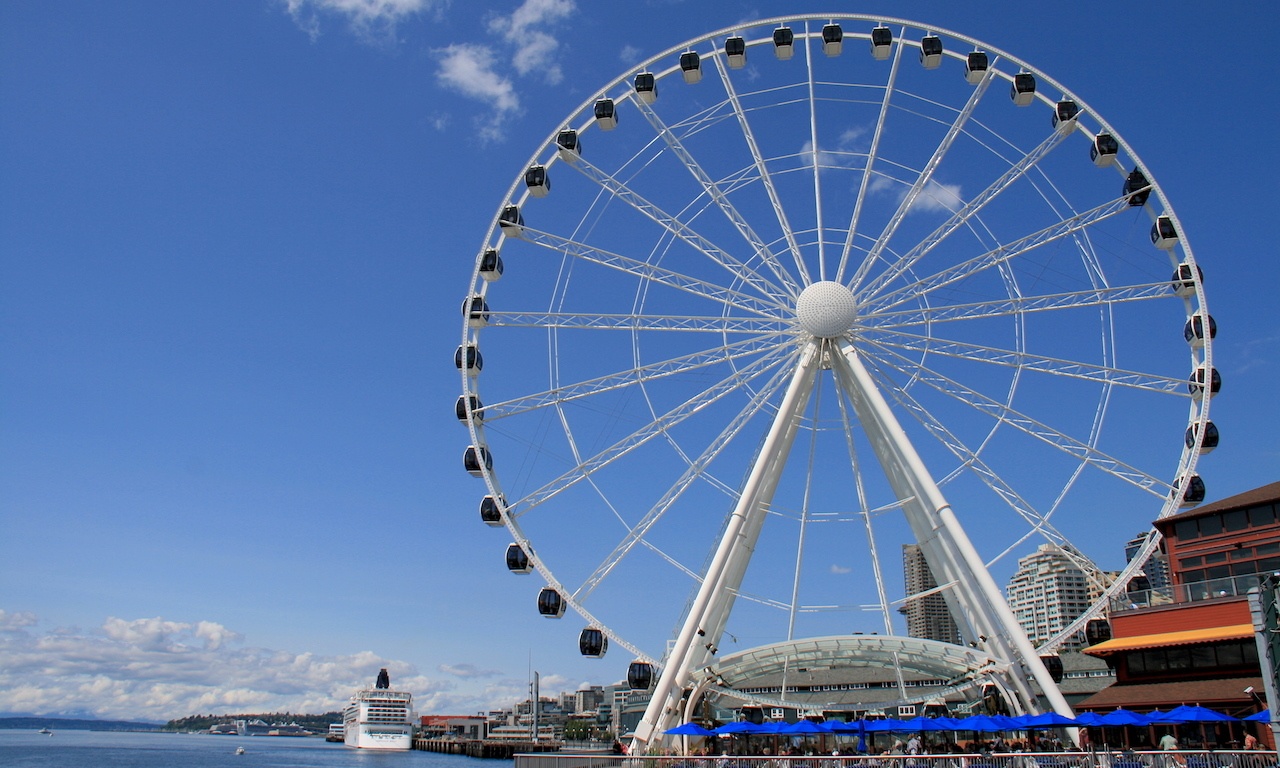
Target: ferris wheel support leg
column 941, row 535
column 705, row 623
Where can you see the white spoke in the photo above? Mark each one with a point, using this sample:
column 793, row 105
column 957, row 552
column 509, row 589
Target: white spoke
column 997, row 256
column 923, row 179
column 817, row 171
column 695, row 471
column 714, row 192
column 638, row 322
column 872, row 154
column 1037, row 429
column 762, row 170
column 1018, row 305
column 1028, row 362
column 957, row 220
column 654, row 273
column 629, row 378
column 724, row 259
column 639, row 437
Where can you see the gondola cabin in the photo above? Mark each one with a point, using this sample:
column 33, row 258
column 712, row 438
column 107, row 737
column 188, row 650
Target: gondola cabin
column 1195, row 383
column 1137, row 188
column 568, row 145
column 640, row 676
column 511, row 221
column 476, row 310
column 646, row 87
column 490, row 265
column 517, row 560
column 784, row 43
column 465, row 404
column 477, row 460
column 1189, row 493
column 1053, row 663
column 550, row 603
column 881, row 43
column 1023, row 89
column 1065, row 113
column 832, row 39
column 691, row 67
column 1184, row 284
column 975, row 67
column 735, row 52
column 537, row 180
column 1097, row 631
column 1208, row 442
column 1194, row 330
column 606, row 113
column 593, row 643
column 1103, row 150
column 930, row 51
column 1163, row 234
column 491, row 511
column 468, row 357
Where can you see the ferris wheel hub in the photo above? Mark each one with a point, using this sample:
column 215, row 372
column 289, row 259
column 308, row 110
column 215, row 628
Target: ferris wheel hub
column 826, row 309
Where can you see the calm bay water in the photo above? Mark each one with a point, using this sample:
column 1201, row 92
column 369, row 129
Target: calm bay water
column 90, row 749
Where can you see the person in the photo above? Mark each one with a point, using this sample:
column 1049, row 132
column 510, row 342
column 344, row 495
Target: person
column 913, row 745
column 1168, row 741
column 1250, row 741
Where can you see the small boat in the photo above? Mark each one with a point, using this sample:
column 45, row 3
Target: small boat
column 45, row 731
column 239, row 750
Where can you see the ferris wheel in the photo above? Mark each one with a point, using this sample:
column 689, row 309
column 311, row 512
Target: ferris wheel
column 806, row 291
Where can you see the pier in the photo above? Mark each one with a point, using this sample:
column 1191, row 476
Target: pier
column 498, row 749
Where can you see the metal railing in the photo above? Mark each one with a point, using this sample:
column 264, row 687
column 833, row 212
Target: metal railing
column 1228, row 586
column 1099, row 759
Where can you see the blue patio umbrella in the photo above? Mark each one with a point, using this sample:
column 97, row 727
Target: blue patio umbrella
column 1047, row 720
column 1261, row 717
column 1124, row 716
column 1193, row 714
column 981, row 724
column 1088, row 718
column 690, row 729
column 742, row 726
column 884, row 726
column 801, row 727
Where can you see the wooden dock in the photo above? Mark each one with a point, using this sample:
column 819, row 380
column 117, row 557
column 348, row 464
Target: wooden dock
column 498, row 749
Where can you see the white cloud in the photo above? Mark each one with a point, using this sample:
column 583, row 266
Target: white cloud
column 469, row 69
column 368, row 18
column 840, row 569
column 467, row 670
column 934, row 198
column 535, row 49
column 629, row 54
column 157, row 669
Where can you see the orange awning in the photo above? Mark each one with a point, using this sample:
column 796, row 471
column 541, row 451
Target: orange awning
column 1162, row 639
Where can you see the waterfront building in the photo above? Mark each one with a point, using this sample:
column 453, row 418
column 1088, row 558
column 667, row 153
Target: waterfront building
column 1048, row 592
column 927, row 617
column 1197, row 644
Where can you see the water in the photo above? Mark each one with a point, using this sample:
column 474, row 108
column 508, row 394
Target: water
column 105, row 749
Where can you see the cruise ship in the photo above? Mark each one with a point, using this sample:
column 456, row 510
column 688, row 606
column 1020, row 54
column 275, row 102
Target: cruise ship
column 379, row 718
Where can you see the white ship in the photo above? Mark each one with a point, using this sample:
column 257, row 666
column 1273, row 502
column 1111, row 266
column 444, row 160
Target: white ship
column 379, row 718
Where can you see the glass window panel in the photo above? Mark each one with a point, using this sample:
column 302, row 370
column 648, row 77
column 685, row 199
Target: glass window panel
column 1230, row 654
column 1216, row 557
column 1235, row 520
column 1210, row 525
column 1186, row 529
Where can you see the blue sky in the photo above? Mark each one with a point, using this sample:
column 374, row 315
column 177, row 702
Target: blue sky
column 234, row 239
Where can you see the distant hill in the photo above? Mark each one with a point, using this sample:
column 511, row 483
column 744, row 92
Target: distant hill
column 314, row 723
column 33, row 723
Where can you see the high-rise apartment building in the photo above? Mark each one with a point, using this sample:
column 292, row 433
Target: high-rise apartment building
column 1047, row 593
column 928, row 616
column 1157, row 567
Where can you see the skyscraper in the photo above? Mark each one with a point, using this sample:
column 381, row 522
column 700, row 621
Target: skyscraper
column 927, row 617
column 1157, row 566
column 1047, row 593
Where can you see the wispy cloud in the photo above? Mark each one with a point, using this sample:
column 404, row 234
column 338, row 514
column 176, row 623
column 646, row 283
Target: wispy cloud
column 467, row 671
column 936, row 197
column 840, row 569
column 469, row 69
column 535, row 48
column 158, row 669
column 369, row 19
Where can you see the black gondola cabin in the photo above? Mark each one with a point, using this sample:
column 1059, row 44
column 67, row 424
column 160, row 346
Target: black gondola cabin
column 468, row 357
column 646, row 87
column 832, row 39
column 474, row 457
column 975, row 67
column 881, row 43
column 1023, row 89
column 490, row 265
column 691, row 67
column 640, row 676
column 593, row 643
column 735, row 50
column 783, row 43
column 550, row 603
column 931, row 51
column 491, row 511
column 517, row 560
column 606, row 113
